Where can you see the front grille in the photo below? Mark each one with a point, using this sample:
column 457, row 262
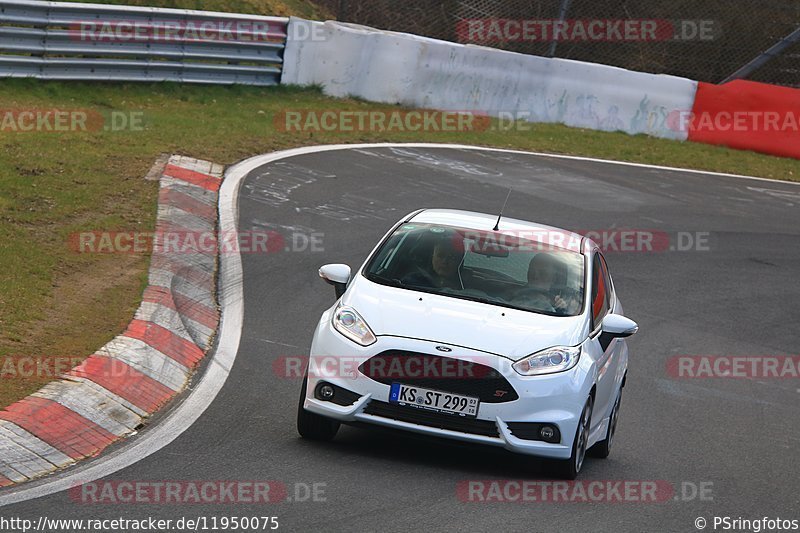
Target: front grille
column 440, row 373
column 431, row 419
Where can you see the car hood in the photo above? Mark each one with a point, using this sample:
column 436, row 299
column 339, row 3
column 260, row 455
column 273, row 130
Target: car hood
column 392, row 311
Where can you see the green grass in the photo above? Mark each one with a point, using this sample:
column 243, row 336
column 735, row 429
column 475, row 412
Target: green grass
column 56, row 302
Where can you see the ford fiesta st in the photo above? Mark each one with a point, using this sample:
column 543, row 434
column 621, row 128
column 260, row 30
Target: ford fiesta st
column 476, row 328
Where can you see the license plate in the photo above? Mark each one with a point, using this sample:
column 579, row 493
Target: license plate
column 433, row 400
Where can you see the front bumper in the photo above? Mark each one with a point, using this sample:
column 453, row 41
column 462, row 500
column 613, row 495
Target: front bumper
column 554, row 399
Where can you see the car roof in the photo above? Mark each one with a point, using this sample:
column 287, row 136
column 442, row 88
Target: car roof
column 540, row 233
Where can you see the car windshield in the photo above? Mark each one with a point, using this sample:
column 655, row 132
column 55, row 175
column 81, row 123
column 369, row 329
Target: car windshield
column 489, row 267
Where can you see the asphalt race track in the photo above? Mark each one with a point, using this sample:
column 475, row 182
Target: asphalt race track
column 736, row 294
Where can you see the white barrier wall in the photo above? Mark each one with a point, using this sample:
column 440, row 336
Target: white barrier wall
column 399, row 68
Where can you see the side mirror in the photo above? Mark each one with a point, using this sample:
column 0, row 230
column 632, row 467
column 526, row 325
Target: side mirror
column 336, row 275
column 619, row 327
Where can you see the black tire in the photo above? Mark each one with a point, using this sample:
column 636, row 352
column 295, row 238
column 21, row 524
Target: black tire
column 570, row 468
column 602, row 449
column 311, row 425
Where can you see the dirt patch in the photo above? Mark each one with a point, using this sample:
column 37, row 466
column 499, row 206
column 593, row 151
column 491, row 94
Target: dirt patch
column 86, row 308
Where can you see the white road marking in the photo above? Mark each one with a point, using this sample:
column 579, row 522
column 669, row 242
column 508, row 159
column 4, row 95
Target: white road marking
column 232, row 304
column 195, row 404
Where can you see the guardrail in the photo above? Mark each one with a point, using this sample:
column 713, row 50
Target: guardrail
column 66, row 41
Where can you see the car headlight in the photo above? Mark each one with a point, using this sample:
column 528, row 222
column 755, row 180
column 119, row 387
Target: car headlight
column 350, row 324
column 549, row 361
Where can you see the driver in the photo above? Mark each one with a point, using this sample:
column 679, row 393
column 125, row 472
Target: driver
column 443, row 271
column 546, row 274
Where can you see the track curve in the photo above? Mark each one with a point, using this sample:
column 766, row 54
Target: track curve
column 738, row 297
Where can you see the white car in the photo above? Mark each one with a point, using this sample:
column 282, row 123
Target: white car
column 475, row 328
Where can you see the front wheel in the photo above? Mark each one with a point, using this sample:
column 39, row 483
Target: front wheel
column 570, row 468
column 311, row 425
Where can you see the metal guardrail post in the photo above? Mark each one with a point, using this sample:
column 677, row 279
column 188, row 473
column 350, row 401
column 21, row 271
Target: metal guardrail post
column 562, row 16
column 344, row 7
column 765, row 57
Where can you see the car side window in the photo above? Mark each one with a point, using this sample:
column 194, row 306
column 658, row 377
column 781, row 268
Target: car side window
column 600, row 291
column 608, row 281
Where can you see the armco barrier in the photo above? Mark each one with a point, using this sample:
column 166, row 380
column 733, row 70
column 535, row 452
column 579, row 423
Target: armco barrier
column 71, row 41
column 400, row 68
column 94, row 42
column 748, row 116
column 112, row 392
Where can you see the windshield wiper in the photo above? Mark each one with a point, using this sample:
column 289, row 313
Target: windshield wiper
column 430, row 290
column 500, row 303
column 480, row 299
column 385, row 281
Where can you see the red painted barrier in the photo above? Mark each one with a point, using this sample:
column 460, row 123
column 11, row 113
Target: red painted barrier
column 747, row 116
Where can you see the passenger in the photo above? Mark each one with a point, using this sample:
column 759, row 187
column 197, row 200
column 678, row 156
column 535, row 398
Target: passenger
column 548, row 276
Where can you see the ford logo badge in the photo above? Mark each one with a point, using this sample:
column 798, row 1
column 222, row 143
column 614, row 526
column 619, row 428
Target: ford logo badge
column 444, row 349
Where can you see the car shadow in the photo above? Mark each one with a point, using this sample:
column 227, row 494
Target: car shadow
column 412, row 449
